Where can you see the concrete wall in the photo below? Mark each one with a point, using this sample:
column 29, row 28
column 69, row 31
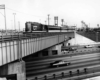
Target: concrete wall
column 17, row 68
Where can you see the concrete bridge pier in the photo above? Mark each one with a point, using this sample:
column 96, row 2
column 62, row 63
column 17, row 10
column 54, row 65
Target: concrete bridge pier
column 55, row 50
column 14, row 71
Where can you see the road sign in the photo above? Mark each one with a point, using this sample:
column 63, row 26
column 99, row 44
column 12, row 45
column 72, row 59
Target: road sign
column 2, row 6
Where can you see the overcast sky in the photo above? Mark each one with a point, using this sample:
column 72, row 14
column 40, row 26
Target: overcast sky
column 72, row 11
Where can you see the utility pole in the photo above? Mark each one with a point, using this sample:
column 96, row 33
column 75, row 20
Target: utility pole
column 3, row 7
column 14, row 21
column 19, row 25
column 62, row 20
column 45, row 22
column 56, row 20
column 98, row 25
column 5, row 21
column 48, row 19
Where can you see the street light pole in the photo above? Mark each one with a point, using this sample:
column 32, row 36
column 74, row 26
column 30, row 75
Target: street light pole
column 62, row 20
column 14, row 21
column 19, row 25
column 48, row 19
column 5, row 21
column 3, row 7
column 45, row 22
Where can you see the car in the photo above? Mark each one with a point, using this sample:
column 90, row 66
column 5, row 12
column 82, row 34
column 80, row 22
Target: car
column 64, row 51
column 69, row 49
column 88, row 46
column 72, row 49
column 60, row 63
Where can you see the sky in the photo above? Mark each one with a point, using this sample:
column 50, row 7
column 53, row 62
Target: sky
column 72, row 11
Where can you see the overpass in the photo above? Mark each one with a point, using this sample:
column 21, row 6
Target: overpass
column 13, row 48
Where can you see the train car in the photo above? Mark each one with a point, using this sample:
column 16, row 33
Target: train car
column 27, row 26
column 35, row 26
column 52, row 28
column 38, row 27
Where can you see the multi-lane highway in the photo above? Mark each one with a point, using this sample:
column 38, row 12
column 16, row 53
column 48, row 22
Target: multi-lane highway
column 46, row 69
column 80, row 64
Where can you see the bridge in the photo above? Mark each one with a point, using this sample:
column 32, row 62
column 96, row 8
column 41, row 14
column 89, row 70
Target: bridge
column 27, row 57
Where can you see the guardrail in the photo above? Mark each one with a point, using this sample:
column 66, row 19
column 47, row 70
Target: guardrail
column 76, row 73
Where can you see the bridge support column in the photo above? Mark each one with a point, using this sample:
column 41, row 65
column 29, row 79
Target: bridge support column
column 19, row 69
column 15, row 68
column 55, row 50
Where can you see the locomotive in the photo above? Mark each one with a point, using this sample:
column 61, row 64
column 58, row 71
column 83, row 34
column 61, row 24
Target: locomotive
column 34, row 26
column 38, row 27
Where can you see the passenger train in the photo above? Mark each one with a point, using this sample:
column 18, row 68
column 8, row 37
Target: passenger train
column 38, row 27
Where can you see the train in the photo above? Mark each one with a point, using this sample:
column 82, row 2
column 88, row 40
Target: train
column 38, row 27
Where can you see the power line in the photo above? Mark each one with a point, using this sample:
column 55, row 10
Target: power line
column 24, row 13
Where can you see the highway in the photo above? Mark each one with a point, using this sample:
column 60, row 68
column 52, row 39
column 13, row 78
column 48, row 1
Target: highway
column 73, row 65
column 66, row 69
column 46, row 64
column 40, row 68
column 64, row 57
column 77, row 52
